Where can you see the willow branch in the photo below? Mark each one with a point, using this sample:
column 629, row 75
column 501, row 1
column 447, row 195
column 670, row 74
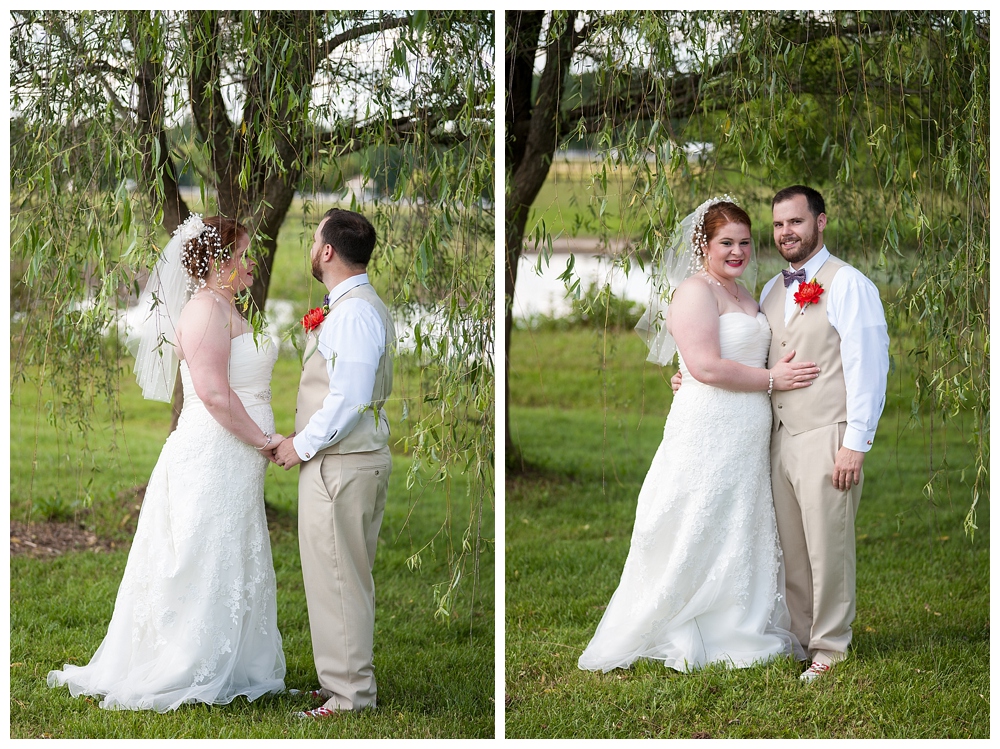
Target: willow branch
column 327, row 46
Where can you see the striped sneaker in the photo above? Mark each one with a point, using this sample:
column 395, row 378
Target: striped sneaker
column 814, row 672
column 318, row 713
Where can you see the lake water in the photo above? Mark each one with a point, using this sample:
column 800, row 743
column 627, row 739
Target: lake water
column 543, row 293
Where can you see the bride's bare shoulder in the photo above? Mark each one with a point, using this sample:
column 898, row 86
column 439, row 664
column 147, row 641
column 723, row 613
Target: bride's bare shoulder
column 201, row 315
column 198, row 308
column 693, row 289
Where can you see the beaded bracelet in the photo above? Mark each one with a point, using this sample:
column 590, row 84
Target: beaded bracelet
column 770, row 386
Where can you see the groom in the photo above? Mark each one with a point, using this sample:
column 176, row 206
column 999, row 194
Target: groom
column 821, row 434
column 341, row 440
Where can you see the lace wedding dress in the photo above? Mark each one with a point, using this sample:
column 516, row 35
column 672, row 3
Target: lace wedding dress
column 703, row 579
column 195, row 619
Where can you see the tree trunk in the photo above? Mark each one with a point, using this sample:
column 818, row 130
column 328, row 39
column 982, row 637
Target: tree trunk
column 279, row 196
column 533, row 135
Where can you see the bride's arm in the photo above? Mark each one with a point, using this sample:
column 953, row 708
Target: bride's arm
column 694, row 324
column 205, row 345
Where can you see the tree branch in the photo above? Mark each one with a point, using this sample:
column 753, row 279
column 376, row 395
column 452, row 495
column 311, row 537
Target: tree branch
column 523, row 29
column 383, row 24
column 124, row 112
column 358, row 135
column 544, row 131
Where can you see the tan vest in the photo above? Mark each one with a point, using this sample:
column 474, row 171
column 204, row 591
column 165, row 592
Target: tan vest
column 372, row 431
column 812, row 338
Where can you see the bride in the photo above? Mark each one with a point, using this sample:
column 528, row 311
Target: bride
column 703, row 581
column 195, row 617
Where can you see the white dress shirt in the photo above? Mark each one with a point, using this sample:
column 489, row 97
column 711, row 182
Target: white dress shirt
column 855, row 311
column 352, row 340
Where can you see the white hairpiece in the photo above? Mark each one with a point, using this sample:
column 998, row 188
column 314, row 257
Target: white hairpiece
column 192, row 228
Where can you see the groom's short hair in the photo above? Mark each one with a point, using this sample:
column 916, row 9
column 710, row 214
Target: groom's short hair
column 350, row 234
column 815, row 201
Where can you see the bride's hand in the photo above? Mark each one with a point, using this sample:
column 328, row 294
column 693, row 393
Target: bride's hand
column 276, row 439
column 789, row 376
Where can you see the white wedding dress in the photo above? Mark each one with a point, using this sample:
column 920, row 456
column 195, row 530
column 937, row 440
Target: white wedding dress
column 703, row 580
column 195, row 619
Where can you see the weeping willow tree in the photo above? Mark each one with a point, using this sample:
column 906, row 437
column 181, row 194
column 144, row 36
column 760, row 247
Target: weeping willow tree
column 887, row 113
column 114, row 113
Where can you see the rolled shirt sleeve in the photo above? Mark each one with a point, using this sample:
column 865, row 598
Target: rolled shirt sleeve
column 855, row 311
column 352, row 340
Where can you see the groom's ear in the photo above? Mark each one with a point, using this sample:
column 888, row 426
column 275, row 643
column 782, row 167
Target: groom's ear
column 821, row 221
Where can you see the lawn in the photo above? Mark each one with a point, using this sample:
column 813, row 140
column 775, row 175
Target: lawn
column 587, row 413
column 435, row 678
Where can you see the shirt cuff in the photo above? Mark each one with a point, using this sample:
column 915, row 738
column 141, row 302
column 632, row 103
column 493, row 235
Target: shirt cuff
column 303, row 450
column 857, row 440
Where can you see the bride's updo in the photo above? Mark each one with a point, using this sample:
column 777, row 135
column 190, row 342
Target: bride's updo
column 211, row 247
column 718, row 215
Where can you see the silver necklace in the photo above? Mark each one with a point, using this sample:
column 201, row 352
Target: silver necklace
column 712, row 279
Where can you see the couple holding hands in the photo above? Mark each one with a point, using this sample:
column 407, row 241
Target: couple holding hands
column 195, row 619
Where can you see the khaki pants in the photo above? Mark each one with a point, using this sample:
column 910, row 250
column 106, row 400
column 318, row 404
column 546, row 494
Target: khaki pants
column 341, row 501
column 816, row 530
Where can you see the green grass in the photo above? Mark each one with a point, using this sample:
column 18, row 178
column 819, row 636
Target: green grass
column 435, row 679
column 587, row 423
column 569, row 201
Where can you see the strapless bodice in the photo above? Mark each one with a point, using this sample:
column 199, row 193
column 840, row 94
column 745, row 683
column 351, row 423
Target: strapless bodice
column 742, row 338
column 250, row 366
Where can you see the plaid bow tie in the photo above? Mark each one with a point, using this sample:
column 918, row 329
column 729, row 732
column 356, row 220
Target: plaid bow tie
column 793, row 276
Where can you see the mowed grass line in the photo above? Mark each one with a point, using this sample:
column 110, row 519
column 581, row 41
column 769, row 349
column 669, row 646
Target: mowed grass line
column 920, row 656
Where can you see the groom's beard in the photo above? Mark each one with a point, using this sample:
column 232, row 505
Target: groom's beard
column 805, row 248
column 317, row 270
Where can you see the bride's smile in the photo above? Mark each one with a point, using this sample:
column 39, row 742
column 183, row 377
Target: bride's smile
column 728, row 252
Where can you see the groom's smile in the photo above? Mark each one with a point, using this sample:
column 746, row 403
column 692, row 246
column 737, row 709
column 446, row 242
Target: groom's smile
column 795, row 248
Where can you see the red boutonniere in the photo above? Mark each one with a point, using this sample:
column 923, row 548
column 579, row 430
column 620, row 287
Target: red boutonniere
column 315, row 317
column 808, row 293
